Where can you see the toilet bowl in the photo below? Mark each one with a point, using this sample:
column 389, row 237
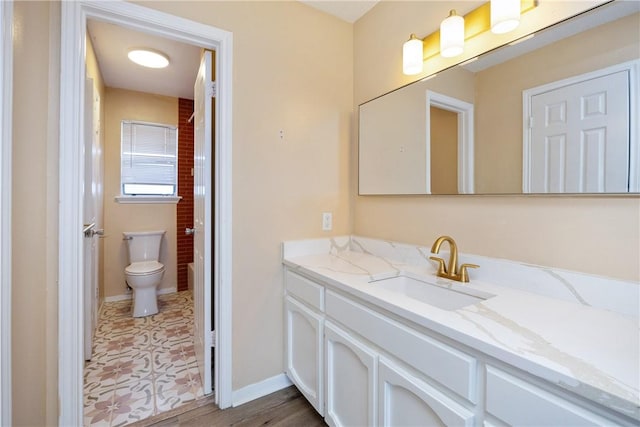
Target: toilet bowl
column 144, row 273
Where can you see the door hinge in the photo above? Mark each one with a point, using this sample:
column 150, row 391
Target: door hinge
column 212, row 89
column 213, row 338
column 530, row 122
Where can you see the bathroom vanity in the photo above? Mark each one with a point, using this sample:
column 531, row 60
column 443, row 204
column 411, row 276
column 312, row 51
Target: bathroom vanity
column 369, row 342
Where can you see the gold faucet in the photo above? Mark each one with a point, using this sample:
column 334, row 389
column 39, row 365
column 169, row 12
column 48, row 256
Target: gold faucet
column 450, row 272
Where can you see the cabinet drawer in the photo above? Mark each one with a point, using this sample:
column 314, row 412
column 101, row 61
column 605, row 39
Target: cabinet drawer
column 516, row 402
column 305, row 290
column 448, row 366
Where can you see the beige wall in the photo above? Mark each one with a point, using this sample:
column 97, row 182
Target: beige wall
column 35, row 214
column 292, row 71
column 565, row 232
column 121, row 105
column 499, row 94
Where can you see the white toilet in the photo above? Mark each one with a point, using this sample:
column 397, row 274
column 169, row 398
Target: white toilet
column 144, row 272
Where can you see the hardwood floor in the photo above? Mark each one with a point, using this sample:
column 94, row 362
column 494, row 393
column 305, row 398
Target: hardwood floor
column 285, row 408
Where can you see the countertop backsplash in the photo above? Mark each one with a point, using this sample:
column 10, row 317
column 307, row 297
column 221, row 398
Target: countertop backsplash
column 619, row 296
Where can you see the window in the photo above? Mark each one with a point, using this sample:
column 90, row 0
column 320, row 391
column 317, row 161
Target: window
column 149, row 154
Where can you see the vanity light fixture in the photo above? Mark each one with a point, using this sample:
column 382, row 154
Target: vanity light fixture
column 452, row 35
column 476, row 22
column 412, row 61
column 148, row 58
column 505, row 15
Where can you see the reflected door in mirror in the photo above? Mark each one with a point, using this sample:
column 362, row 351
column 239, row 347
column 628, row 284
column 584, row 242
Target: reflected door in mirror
column 580, row 136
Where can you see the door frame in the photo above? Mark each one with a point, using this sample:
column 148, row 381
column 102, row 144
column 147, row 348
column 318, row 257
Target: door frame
column 633, row 68
column 6, row 106
column 464, row 111
column 74, row 17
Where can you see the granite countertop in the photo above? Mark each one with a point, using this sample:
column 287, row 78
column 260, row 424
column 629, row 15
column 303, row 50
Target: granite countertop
column 590, row 351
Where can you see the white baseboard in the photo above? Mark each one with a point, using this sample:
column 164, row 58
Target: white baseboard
column 260, row 389
column 123, row 297
column 115, row 298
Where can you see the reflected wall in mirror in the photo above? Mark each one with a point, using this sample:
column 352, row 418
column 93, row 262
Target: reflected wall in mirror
column 556, row 112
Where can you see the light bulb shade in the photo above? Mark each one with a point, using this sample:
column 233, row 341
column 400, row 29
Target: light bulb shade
column 505, row 15
column 412, row 59
column 452, row 35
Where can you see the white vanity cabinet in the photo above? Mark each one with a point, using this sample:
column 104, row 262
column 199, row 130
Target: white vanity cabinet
column 351, row 379
column 304, row 338
column 334, row 353
column 360, row 365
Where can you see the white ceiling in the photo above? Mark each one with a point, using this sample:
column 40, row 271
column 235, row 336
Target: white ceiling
column 112, row 42
column 349, row 10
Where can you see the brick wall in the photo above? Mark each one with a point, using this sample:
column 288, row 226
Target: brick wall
column 185, row 189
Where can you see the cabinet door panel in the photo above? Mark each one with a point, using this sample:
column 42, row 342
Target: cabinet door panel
column 408, row 401
column 351, row 380
column 304, row 351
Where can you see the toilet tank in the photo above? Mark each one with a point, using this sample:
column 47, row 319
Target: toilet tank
column 143, row 245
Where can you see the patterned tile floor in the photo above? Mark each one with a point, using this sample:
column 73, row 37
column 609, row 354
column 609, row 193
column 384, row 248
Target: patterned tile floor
column 141, row 366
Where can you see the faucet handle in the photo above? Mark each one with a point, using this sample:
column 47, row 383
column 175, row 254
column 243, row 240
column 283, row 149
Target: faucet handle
column 464, row 274
column 442, row 268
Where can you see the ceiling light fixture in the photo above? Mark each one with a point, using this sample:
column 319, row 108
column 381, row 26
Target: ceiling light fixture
column 148, row 58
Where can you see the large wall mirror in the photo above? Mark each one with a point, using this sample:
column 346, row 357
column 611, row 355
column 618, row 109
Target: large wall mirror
column 553, row 112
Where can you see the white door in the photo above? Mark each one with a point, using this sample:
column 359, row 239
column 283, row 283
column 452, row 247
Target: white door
column 580, row 137
column 405, row 400
column 202, row 219
column 90, row 217
column 351, row 380
column 98, row 202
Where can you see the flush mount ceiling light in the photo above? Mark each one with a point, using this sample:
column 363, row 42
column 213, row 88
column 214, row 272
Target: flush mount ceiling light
column 505, row 15
column 452, row 35
column 148, row 58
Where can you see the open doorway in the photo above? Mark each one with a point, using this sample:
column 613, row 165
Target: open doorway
column 218, row 255
column 438, row 105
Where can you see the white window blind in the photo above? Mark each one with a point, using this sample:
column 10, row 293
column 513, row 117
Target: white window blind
column 149, row 159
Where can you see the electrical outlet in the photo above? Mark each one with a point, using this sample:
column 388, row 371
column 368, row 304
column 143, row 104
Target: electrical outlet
column 327, row 221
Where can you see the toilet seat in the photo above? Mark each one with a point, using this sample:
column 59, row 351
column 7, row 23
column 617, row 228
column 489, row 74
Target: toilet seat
column 143, row 268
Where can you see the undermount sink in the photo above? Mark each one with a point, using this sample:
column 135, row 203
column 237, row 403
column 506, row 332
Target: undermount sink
column 447, row 298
